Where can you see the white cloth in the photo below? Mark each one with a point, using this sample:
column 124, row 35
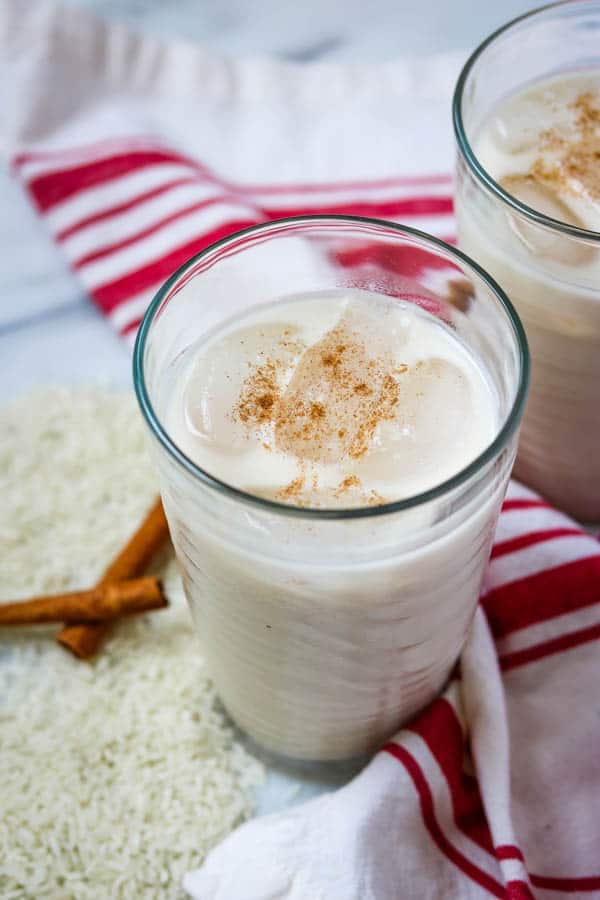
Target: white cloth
column 139, row 153
column 494, row 790
column 367, row 840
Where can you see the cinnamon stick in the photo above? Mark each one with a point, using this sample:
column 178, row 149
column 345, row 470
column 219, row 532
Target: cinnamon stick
column 84, row 639
column 106, row 601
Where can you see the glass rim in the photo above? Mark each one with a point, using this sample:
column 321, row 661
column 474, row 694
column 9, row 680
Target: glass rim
column 501, row 438
column 468, row 153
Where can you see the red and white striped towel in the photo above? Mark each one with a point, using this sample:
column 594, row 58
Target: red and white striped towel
column 127, row 213
column 138, row 154
column 494, row 790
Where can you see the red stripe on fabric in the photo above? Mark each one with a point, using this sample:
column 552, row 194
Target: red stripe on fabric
column 441, row 730
column 518, row 890
column 124, row 207
column 408, row 260
column 151, row 229
column 508, row 851
column 589, row 883
column 543, row 596
column 65, row 154
column 48, row 190
column 358, row 209
column 523, row 503
column 408, row 206
column 131, row 326
column 534, row 537
column 548, row 648
column 112, row 294
column 428, row 812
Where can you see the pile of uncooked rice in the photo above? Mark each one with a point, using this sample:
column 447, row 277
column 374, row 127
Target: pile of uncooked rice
column 119, row 775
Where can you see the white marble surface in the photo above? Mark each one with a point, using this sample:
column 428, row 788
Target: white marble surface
column 49, row 330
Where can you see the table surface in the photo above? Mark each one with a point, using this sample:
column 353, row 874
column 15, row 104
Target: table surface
column 47, row 324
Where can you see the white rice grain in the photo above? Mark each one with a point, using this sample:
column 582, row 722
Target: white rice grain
column 115, row 776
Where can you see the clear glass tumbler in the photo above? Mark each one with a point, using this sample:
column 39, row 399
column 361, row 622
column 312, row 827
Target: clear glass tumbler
column 549, row 269
column 324, row 630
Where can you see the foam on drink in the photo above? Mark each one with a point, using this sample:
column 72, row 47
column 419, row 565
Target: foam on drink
column 339, row 399
column 548, row 137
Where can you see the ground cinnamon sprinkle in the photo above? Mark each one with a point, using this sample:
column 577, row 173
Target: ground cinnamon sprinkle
column 575, row 161
column 360, row 444
column 588, row 111
column 334, row 358
column 293, row 489
column 300, row 493
column 338, row 394
column 372, row 498
column 349, row 482
column 260, row 393
column 355, row 393
column 379, row 410
column 375, row 499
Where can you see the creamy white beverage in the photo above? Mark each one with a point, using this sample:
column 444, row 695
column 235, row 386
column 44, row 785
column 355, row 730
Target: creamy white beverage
column 322, row 637
column 334, row 404
column 339, row 399
column 542, row 145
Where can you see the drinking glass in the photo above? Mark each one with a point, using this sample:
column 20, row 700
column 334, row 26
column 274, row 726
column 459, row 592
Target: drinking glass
column 549, row 269
column 326, row 629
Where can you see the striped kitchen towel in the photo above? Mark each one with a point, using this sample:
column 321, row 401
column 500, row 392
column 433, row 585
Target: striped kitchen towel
column 138, row 154
column 494, row 790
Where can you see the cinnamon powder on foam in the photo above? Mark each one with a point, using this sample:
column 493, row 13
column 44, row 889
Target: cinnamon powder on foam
column 575, row 160
column 338, row 394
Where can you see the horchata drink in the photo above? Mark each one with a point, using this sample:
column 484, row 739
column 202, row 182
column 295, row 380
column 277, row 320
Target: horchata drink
column 527, row 113
column 339, row 399
column 333, row 458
